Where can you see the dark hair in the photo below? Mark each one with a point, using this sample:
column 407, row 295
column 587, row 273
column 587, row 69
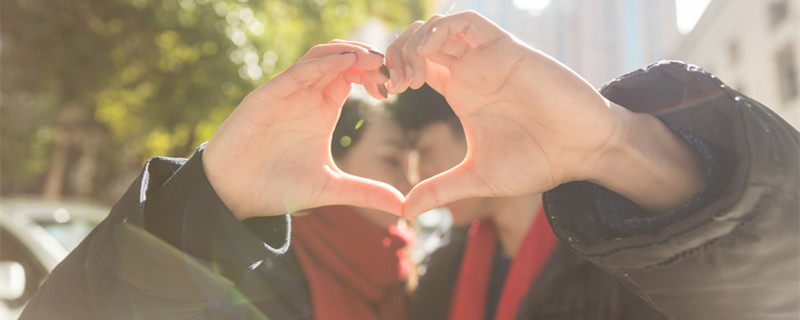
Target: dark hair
column 415, row 109
column 355, row 117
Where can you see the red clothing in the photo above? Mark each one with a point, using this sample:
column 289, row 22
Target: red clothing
column 355, row 270
column 470, row 295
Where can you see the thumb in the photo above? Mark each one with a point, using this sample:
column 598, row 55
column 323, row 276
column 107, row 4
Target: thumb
column 347, row 189
column 452, row 185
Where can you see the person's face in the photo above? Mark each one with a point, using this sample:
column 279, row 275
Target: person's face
column 440, row 149
column 380, row 154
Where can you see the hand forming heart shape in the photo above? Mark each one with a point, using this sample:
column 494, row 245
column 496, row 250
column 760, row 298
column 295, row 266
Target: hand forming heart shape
column 530, row 124
column 273, row 153
column 525, row 116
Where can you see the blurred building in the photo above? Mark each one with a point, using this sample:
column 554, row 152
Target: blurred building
column 599, row 39
column 753, row 47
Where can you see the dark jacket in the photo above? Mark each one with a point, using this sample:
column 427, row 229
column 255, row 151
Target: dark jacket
column 171, row 250
column 729, row 253
column 569, row 287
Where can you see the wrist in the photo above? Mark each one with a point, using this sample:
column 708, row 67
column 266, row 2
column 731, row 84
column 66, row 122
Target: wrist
column 223, row 188
column 649, row 164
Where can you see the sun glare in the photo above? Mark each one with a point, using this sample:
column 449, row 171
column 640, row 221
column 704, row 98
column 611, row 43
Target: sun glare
column 532, row 6
column 688, row 12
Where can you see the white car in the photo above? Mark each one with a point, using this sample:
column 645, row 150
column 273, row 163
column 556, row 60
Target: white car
column 35, row 235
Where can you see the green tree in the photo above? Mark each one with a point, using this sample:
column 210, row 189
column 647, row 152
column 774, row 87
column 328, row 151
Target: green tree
column 92, row 88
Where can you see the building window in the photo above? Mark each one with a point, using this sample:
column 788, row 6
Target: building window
column 787, row 73
column 777, row 12
column 733, row 52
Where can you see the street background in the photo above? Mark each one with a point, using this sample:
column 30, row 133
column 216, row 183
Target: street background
column 93, row 88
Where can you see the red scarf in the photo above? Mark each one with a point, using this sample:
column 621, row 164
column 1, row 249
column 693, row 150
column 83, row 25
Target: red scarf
column 355, row 270
column 469, row 298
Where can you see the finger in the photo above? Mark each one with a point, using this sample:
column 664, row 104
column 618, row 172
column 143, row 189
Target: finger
column 438, row 67
column 394, row 59
column 453, row 46
column 474, row 28
column 441, row 60
column 306, row 73
column 416, row 70
column 455, row 184
column 346, row 189
column 379, row 75
column 337, row 46
column 369, row 48
column 336, row 92
column 376, row 90
column 439, row 64
column 366, row 58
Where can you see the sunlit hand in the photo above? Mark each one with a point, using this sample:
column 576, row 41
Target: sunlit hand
column 272, row 154
column 530, row 122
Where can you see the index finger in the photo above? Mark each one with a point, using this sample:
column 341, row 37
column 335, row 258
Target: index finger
column 475, row 28
column 304, row 74
column 367, row 59
column 416, row 65
column 394, row 59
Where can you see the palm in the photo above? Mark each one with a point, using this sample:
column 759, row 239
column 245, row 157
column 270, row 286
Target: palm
column 534, row 131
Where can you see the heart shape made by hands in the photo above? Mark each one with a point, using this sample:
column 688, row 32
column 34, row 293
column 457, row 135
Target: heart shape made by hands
column 524, row 117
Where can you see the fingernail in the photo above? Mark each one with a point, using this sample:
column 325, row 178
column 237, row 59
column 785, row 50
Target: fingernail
column 395, row 80
column 348, row 51
column 409, row 74
column 382, row 90
column 376, row 52
column 385, row 72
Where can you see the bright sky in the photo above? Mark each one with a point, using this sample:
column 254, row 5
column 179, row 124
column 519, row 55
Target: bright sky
column 534, row 6
column 688, row 11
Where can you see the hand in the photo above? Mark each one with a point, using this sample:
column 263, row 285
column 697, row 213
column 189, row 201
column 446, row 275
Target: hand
column 530, row 122
column 272, row 154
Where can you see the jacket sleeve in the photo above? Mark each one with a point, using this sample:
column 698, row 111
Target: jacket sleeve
column 169, row 249
column 732, row 251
